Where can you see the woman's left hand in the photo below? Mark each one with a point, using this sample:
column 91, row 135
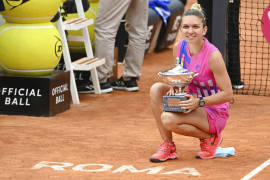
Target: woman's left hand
column 190, row 104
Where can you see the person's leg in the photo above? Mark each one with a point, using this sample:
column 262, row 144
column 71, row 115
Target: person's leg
column 194, row 124
column 136, row 26
column 157, row 91
column 167, row 149
column 108, row 19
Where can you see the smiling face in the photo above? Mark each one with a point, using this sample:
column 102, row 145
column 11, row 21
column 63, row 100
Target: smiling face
column 192, row 29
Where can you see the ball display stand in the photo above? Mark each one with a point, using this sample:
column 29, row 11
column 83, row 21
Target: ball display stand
column 35, row 95
column 88, row 63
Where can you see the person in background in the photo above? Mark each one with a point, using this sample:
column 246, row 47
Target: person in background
column 110, row 14
column 209, row 93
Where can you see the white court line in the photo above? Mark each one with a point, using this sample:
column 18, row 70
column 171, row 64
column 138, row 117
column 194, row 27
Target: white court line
column 255, row 171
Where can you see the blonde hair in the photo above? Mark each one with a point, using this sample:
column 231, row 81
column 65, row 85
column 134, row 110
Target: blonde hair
column 196, row 6
column 196, row 10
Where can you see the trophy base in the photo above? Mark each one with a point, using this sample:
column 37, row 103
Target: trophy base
column 170, row 103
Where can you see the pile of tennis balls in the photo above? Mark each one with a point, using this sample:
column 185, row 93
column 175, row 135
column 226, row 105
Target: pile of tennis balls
column 30, row 44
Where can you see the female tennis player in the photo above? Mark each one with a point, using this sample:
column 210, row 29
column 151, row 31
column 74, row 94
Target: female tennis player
column 208, row 95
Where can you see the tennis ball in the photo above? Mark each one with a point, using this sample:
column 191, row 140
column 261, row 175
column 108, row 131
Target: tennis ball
column 30, row 11
column 29, row 49
column 78, row 47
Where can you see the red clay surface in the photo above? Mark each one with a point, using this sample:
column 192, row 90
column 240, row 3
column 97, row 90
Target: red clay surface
column 118, row 130
column 109, row 133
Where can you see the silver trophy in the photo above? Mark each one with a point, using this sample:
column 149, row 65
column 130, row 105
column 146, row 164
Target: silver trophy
column 180, row 77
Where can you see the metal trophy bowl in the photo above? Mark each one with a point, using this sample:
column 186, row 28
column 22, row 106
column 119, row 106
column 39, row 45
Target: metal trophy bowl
column 180, row 77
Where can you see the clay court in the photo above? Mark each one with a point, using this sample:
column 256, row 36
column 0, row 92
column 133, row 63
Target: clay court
column 112, row 136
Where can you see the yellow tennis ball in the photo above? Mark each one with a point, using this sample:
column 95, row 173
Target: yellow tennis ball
column 30, row 11
column 76, row 46
column 29, row 49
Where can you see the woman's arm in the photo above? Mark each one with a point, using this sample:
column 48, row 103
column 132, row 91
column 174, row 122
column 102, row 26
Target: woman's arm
column 175, row 50
column 217, row 66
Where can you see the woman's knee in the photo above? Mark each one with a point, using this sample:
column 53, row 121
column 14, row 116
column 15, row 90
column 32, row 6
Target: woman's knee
column 168, row 121
column 157, row 89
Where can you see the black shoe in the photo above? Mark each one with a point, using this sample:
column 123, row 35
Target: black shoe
column 89, row 88
column 84, row 86
column 106, row 87
column 129, row 85
column 85, row 89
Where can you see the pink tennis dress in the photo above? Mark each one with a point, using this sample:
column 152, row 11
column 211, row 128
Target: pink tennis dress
column 204, row 84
